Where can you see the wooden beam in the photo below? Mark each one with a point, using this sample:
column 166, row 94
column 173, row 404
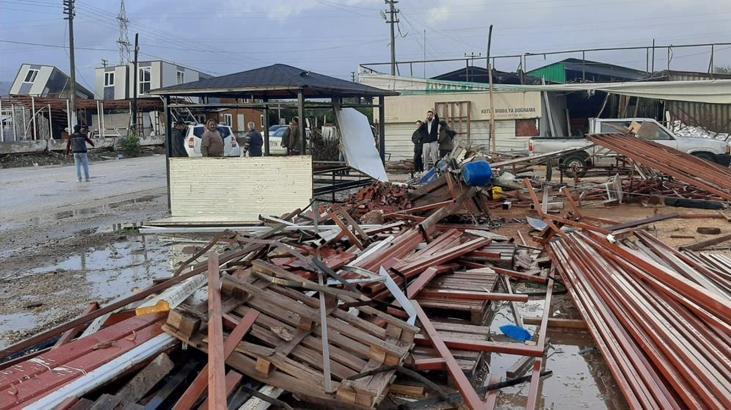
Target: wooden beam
column 472, row 295
column 463, row 384
column 216, row 356
column 71, row 333
column 474, row 345
column 198, row 386
column 233, row 379
column 419, row 283
column 520, row 275
column 557, row 323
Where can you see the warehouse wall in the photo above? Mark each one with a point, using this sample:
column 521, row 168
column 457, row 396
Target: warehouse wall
column 399, row 145
column 238, row 189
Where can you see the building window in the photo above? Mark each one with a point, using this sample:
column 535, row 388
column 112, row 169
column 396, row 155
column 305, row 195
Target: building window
column 180, row 77
column 109, row 79
column 143, row 80
column 228, row 119
column 31, row 76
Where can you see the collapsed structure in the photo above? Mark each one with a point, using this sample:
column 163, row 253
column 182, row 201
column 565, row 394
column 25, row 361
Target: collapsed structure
column 372, row 302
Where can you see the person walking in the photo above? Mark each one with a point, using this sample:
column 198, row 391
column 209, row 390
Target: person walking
column 254, row 140
column 76, row 143
column 429, row 137
column 418, row 148
column 446, row 139
column 212, row 142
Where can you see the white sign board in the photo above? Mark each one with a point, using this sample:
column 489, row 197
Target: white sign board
column 358, row 145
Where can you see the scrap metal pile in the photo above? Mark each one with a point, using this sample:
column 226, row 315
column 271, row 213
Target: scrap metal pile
column 308, row 307
column 390, row 294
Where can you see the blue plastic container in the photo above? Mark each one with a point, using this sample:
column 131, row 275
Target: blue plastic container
column 477, row 173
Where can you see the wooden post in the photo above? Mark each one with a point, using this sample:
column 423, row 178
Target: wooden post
column 382, row 128
column 216, row 357
column 266, row 128
column 168, row 143
column 302, row 124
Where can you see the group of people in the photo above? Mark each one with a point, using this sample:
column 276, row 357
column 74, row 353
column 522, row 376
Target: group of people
column 433, row 139
column 212, row 144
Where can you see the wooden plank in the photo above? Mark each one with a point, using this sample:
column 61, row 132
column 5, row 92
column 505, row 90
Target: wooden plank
column 419, row 283
column 485, row 346
column 463, row 384
column 472, row 295
column 558, row 323
column 327, row 381
column 521, row 276
column 344, row 229
column 216, row 355
column 233, row 379
column 147, row 378
column 199, row 385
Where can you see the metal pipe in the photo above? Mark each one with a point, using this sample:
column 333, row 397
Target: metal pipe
column 33, row 118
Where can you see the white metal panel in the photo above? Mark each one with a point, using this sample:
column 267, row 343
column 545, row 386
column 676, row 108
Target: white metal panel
column 399, row 145
column 358, row 145
column 99, row 83
column 22, row 72
column 156, row 74
column 120, row 83
column 41, row 80
column 238, row 189
column 169, row 74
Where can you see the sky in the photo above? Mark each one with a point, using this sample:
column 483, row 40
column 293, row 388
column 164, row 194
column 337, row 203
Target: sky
column 334, row 36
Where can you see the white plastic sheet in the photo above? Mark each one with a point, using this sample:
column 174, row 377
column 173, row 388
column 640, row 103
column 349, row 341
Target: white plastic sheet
column 358, row 145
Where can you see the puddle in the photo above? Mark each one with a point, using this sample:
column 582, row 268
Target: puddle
column 118, row 268
column 15, row 322
column 580, row 380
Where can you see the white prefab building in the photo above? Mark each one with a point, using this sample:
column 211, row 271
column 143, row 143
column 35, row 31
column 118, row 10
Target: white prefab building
column 36, row 80
column 465, row 107
column 115, row 82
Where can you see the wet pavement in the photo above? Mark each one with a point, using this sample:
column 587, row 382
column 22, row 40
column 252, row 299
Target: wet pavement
column 31, row 299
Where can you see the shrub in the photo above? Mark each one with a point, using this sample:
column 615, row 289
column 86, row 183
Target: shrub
column 130, row 145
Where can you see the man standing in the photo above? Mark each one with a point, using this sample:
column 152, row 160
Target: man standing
column 430, row 136
column 179, row 139
column 292, row 140
column 254, row 140
column 212, row 142
column 418, row 148
column 77, row 144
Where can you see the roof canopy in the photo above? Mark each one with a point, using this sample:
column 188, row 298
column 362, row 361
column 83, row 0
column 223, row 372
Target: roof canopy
column 274, row 81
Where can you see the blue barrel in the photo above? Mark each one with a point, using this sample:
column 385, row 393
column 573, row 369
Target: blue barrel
column 477, row 173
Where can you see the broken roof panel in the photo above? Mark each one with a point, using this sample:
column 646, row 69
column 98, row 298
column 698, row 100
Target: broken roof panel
column 274, row 81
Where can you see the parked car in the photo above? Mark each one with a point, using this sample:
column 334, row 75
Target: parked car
column 194, row 135
column 596, row 156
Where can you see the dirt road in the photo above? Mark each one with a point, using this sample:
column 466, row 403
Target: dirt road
column 58, row 246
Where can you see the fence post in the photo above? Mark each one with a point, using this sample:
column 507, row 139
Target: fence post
column 33, row 116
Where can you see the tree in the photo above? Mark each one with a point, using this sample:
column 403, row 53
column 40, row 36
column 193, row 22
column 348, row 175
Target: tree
column 722, row 69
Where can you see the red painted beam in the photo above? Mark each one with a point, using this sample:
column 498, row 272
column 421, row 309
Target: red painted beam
column 199, row 385
column 216, row 356
column 463, row 384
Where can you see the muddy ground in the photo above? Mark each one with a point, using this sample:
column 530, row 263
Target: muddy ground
column 36, row 159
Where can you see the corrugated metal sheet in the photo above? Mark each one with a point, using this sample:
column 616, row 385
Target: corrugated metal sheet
column 715, row 117
column 554, row 73
column 399, row 145
column 238, row 189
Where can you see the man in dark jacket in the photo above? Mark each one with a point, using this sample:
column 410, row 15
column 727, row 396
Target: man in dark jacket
column 429, row 137
column 254, row 141
column 291, row 140
column 418, row 148
column 77, row 144
column 179, row 139
column 446, row 138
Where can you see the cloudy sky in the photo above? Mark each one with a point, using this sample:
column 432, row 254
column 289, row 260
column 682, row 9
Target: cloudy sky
column 334, row 36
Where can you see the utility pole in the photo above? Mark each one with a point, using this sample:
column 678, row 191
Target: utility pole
column 135, row 85
column 352, row 75
column 471, row 59
column 493, row 142
column 424, row 53
column 68, row 10
column 392, row 20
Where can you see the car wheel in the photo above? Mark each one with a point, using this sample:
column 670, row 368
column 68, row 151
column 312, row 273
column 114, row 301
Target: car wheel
column 574, row 166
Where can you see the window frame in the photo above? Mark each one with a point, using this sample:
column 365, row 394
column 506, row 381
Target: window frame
column 33, row 73
column 109, row 75
column 179, row 76
column 228, row 119
column 141, row 80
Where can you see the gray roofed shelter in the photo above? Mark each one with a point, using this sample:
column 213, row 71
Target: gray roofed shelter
column 274, row 81
column 283, row 82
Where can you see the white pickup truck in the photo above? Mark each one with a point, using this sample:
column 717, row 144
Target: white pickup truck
column 596, row 156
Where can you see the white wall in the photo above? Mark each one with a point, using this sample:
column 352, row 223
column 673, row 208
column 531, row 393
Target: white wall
column 212, row 189
column 22, row 72
column 39, row 84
